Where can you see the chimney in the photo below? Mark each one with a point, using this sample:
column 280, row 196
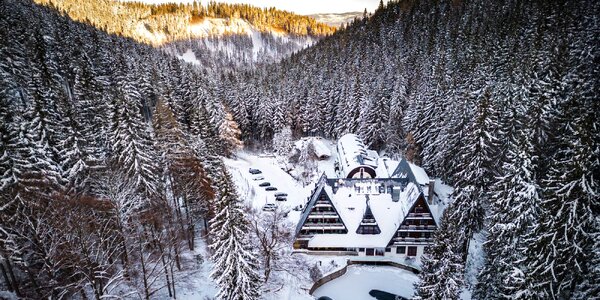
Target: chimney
column 430, row 192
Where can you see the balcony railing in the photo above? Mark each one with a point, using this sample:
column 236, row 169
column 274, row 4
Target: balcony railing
column 322, row 216
column 323, row 226
column 412, row 240
column 417, row 228
column 419, row 216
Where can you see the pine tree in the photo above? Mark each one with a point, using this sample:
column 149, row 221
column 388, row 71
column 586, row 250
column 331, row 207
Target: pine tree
column 476, row 168
column 130, row 141
column 235, row 266
column 560, row 247
column 442, row 265
column 514, row 207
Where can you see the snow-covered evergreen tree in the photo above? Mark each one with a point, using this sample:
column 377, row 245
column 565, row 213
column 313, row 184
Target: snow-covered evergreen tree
column 442, row 265
column 514, row 208
column 235, row 266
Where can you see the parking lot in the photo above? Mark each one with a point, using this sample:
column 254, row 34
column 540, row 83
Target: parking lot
column 265, row 186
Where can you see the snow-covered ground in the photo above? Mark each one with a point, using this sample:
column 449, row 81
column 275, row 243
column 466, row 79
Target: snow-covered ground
column 196, row 285
column 258, row 196
column 189, row 57
column 359, row 280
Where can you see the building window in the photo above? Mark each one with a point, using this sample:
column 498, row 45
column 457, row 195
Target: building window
column 370, row 252
column 401, row 250
column 412, row 251
column 388, row 249
column 379, row 252
column 361, row 249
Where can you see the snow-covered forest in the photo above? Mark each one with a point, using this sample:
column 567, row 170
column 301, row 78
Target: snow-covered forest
column 500, row 98
column 107, row 158
column 220, row 35
column 110, row 149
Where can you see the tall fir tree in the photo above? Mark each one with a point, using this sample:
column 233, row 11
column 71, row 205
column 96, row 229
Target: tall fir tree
column 235, row 266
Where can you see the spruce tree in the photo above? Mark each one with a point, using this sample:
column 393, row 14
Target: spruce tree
column 442, row 268
column 235, row 266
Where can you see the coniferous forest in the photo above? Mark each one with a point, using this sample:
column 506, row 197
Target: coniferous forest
column 499, row 98
column 110, row 149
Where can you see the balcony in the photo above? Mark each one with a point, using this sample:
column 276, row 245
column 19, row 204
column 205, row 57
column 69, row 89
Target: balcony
column 419, row 216
column 412, row 240
column 323, row 216
column 417, row 228
column 332, row 226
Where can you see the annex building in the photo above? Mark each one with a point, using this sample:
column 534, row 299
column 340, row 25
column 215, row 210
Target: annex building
column 375, row 206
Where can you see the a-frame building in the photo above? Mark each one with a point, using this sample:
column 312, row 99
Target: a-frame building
column 318, row 217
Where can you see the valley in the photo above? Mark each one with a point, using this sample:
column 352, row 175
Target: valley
column 427, row 149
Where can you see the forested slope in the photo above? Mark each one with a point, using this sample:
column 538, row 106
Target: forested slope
column 500, row 98
column 221, row 35
column 107, row 159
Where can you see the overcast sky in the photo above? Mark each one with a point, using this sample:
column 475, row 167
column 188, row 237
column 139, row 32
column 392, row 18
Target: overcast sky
column 303, row 7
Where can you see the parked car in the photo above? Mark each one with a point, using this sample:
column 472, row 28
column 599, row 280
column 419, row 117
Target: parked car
column 269, row 207
column 280, row 198
column 270, row 188
column 263, row 184
column 280, row 194
column 254, row 171
column 260, row 177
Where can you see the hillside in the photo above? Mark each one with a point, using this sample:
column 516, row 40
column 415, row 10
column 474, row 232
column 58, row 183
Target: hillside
column 336, row 19
column 91, row 124
column 220, row 35
column 498, row 97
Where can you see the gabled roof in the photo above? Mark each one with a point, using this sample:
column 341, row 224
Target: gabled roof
column 319, row 190
column 352, row 154
column 407, row 170
column 368, row 222
column 412, row 207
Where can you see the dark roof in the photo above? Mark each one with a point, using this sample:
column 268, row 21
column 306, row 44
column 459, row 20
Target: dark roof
column 403, row 170
column 369, row 220
column 311, row 202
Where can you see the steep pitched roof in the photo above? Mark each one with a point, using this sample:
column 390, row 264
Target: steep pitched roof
column 319, row 190
column 404, row 170
column 368, row 224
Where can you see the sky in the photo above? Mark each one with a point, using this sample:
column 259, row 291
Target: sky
column 302, row 7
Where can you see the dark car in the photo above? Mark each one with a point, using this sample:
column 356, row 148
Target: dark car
column 280, row 194
column 270, row 188
column 280, row 198
column 269, row 207
column 263, row 184
column 254, row 171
